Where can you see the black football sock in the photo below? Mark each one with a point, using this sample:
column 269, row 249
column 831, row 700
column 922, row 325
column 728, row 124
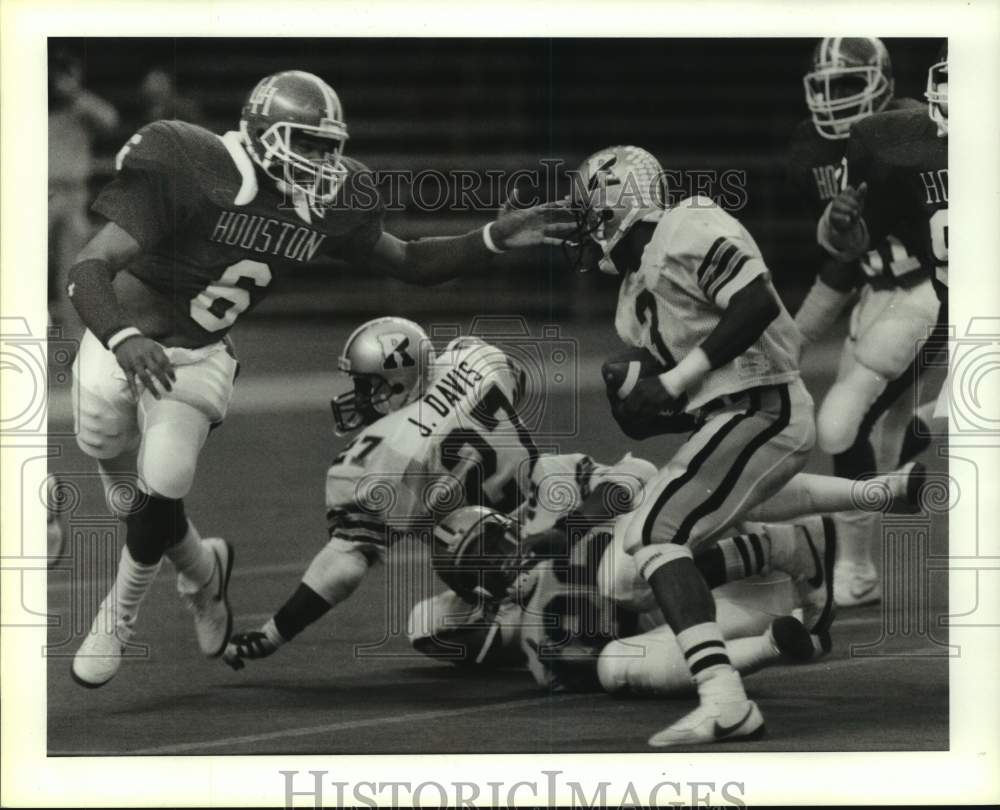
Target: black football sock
column 303, row 608
column 153, row 527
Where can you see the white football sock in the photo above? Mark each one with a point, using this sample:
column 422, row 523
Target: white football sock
column 131, row 583
column 855, row 533
column 194, row 562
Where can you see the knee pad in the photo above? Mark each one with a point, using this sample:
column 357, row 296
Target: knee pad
column 102, row 432
column 172, row 437
column 153, row 527
column 844, row 408
column 889, row 346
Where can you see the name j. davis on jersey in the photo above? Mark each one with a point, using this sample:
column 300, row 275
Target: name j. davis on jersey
column 267, row 235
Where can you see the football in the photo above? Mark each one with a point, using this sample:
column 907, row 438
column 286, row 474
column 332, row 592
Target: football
column 622, row 372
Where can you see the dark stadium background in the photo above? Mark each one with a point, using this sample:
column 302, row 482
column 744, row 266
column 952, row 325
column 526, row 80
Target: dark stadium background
column 480, row 105
column 502, row 105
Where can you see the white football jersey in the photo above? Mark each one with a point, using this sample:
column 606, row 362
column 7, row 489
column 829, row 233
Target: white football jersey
column 460, row 443
column 698, row 258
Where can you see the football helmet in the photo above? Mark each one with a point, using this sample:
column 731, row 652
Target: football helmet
column 851, row 78
column 476, row 552
column 388, row 361
column 293, row 126
column 613, row 190
column 937, row 92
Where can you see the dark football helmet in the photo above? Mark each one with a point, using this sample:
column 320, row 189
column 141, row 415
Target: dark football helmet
column 937, row 92
column 388, row 360
column 293, row 127
column 477, row 552
column 851, row 78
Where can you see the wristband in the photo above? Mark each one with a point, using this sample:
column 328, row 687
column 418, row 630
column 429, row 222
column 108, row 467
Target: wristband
column 686, row 373
column 120, row 337
column 488, row 240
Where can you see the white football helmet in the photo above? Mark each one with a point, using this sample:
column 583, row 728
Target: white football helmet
column 851, row 78
column 613, row 190
column 389, row 361
column 937, row 92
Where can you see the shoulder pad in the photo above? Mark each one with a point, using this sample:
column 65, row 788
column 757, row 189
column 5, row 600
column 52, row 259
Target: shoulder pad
column 172, row 146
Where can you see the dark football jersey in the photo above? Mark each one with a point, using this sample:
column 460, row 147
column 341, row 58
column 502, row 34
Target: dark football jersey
column 905, row 164
column 816, row 171
column 216, row 234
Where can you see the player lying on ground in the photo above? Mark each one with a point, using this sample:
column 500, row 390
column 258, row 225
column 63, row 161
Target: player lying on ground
column 896, row 181
column 555, row 590
column 439, row 432
column 199, row 226
column 866, row 420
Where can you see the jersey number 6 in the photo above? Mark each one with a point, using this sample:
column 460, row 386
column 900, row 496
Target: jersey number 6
column 221, row 302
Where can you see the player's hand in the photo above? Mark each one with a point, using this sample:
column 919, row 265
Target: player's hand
column 250, row 645
column 650, row 399
column 143, row 360
column 847, row 208
column 545, row 224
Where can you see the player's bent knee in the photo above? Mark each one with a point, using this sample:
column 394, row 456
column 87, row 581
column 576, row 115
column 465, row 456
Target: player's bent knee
column 839, row 420
column 614, row 664
column 168, row 478
column 173, row 434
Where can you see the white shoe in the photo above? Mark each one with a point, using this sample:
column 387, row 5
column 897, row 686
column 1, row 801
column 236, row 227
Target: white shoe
column 100, row 656
column 856, row 584
column 713, row 722
column 213, row 618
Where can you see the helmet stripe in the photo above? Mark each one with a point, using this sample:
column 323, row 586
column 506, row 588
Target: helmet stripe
column 835, row 49
column 329, row 98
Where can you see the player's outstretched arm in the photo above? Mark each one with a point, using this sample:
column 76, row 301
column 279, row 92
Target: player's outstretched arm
column 437, row 259
column 332, row 577
column 91, row 291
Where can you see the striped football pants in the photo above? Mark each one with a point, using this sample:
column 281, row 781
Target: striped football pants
column 748, row 447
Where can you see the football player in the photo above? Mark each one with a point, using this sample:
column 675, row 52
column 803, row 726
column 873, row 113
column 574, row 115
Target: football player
column 544, row 601
column 896, row 181
column 437, row 432
column 551, row 587
column 199, row 229
column 864, row 418
column 695, row 288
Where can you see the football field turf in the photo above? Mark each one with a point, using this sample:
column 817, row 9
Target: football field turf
column 350, row 683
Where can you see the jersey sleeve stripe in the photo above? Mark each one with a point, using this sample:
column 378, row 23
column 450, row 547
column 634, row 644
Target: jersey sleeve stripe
column 723, row 278
column 718, row 267
column 709, row 256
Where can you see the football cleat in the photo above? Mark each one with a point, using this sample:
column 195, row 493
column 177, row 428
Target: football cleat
column 791, row 639
column 906, row 488
column 252, row 644
column 856, row 584
column 213, row 618
column 100, row 656
column 713, row 723
column 812, row 572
